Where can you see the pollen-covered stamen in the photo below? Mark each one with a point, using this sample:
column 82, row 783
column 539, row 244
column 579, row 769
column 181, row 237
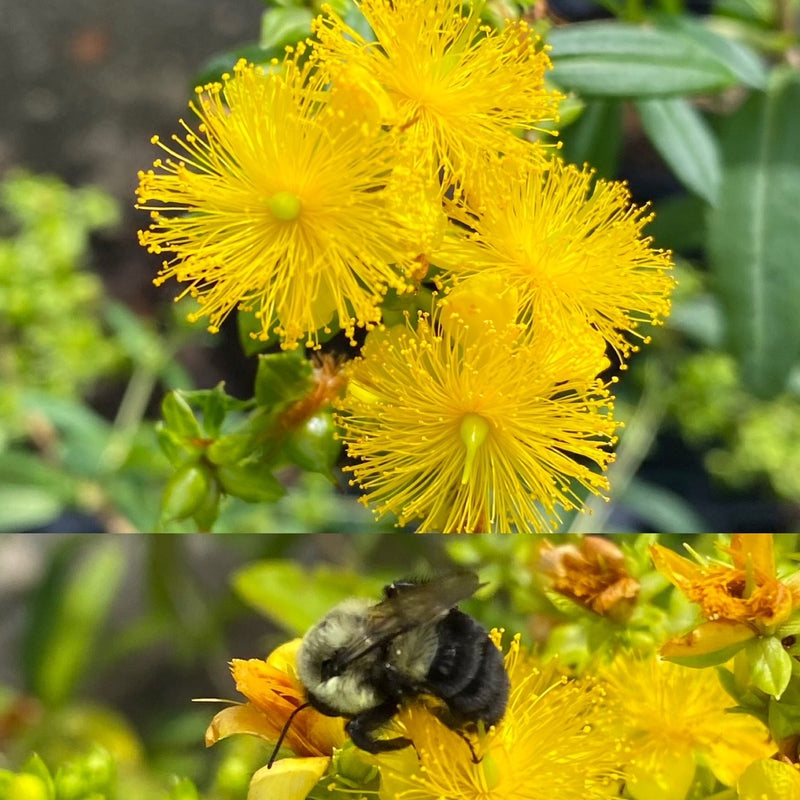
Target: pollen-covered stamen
column 474, row 430
column 284, row 206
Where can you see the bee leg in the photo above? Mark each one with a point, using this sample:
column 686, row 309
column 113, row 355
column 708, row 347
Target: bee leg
column 362, row 726
column 475, row 759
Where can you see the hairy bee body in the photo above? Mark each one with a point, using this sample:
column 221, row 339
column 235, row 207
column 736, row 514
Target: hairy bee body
column 364, row 659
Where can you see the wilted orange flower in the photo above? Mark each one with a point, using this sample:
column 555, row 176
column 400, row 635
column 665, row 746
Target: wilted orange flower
column 274, row 691
column 739, row 602
column 591, row 574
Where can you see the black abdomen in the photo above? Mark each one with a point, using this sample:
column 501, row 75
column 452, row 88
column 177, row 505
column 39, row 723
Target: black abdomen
column 467, row 672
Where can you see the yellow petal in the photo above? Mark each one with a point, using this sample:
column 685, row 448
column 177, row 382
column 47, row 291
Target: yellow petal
column 767, row 779
column 287, row 779
column 759, row 546
column 679, row 570
column 284, row 657
column 239, row 719
column 708, row 644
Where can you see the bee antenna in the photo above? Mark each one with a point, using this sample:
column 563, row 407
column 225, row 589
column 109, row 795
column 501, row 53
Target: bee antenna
column 284, row 732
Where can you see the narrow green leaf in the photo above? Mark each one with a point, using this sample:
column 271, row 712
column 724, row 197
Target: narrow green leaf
column 740, row 59
column 66, row 615
column 754, row 235
column 684, row 140
column 615, row 59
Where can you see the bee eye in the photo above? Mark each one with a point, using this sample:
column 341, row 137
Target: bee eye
column 331, row 667
column 327, row 669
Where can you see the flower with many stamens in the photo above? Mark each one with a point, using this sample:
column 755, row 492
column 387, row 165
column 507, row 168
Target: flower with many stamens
column 279, row 203
column 465, row 432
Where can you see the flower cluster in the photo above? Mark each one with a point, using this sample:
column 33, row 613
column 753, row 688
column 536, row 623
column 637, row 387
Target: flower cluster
column 366, row 166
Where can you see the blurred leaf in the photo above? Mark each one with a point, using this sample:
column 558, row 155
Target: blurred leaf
column 684, row 140
column 221, row 63
column 296, row 598
column 284, row 26
column 66, row 614
column 742, row 61
column 661, row 509
column 24, row 508
column 679, row 224
column 754, row 236
column 596, row 138
column 34, row 765
column 83, row 433
column 699, row 318
column 615, row 59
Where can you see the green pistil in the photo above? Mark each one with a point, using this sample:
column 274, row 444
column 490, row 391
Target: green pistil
column 474, row 430
column 284, row 206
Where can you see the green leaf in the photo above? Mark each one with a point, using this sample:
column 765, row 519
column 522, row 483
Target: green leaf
column 770, row 665
column 754, row 235
column 273, row 588
column 615, row 59
column 282, row 26
column 596, row 138
column 66, row 615
column 684, row 140
column 179, row 417
column 282, row 378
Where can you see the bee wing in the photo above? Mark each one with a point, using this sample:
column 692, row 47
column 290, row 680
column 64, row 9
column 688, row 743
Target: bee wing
column 410, row 605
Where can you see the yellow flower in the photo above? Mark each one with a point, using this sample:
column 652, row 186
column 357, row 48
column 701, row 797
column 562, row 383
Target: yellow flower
column 573, row 251
column 552, row 744
column 273, row 692
column 456, row 89
column 673, row 719
column 278, row 203
column 739, row 602
column 465, row 433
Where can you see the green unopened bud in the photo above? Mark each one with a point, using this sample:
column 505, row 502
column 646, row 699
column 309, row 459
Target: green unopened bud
column 252, row 483
column 185, row 491
column 26, row 787
column 99, row 769
column 474, row 430
column 312, row 445
column 70, row 783
column 183, row 789
column 285, row 206
column 351, row 766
